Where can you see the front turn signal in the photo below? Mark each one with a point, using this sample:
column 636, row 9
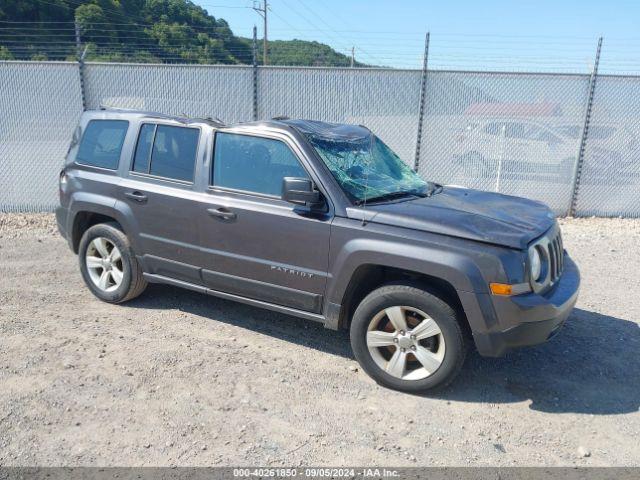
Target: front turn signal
column 506, row 289
column 501, row 289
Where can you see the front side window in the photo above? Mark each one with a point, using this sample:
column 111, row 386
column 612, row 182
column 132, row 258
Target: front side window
column 493, row 129
column 167, row 151
column 508, row 129
column 102, row 142
column 253, row 164
column 515, row 130
column 545, row 136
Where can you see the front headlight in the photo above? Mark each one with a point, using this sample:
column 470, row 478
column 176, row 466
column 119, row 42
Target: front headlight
column 535, row 264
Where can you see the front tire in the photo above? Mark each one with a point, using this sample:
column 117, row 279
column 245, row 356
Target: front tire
column 108, row 265
column 408, row 339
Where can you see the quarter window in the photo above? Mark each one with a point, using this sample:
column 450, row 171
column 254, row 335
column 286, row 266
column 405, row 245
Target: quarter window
column 102, row 142
column 253, row 164
column 166, row 151
column 509, row 130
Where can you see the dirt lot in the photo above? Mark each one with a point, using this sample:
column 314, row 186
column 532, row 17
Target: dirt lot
column 176, row 378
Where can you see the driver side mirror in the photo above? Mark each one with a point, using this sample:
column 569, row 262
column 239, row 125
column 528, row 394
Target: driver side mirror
column 300, row 191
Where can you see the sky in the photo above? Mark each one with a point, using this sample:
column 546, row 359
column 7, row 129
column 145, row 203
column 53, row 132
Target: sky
column 541, row 35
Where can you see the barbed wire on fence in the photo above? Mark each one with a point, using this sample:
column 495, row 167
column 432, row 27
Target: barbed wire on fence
column 491, row 52
column 496, row 113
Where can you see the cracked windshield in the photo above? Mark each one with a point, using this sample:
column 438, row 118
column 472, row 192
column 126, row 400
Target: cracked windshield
column 367, row 168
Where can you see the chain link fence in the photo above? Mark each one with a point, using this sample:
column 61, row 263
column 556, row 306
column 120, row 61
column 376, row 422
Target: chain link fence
column 40, row 105
column 198, row 91
column 514, row 133
column 504, row 132
column 610, row 179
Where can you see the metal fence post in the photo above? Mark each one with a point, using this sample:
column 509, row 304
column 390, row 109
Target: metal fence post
column 423, row 89
column 577, row 172
column 255, row 73
column 80, row 56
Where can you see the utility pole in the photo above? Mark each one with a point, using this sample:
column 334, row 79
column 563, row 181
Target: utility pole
column 353, row 56
column 262, row 11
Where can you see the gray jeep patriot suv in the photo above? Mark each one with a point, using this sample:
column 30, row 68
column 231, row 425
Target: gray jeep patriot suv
column 318, row 220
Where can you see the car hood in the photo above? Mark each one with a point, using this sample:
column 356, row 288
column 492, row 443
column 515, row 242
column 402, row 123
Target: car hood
column 465, row 213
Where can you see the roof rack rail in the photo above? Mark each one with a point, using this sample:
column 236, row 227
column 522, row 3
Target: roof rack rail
column 123, row 109
column 132, row 110
column 183, row 117
column 216, row 121
column 280, row 117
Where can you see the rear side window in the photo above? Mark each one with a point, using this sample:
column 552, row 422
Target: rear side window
column 253, row 164
column 167, row 151
column 102, row 142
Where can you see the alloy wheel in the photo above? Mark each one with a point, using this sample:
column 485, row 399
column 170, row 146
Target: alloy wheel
column 405, row 342
column 104, row 264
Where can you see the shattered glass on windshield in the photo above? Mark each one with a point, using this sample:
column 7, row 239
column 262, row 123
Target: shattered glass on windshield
column 361, row 163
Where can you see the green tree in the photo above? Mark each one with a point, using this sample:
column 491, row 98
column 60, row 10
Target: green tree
column 141, row 31
column 5, row 54
column 93, row 24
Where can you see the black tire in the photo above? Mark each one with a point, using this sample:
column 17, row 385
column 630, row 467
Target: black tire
column 133, row 282
column 419, row 297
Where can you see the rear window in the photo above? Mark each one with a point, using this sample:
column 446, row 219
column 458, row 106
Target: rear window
column 101, row 143
column 167, row 151
column 600, row 133
column 597, row 132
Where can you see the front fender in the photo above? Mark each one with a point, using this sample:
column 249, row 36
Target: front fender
column 467, row 266
column 453, row 267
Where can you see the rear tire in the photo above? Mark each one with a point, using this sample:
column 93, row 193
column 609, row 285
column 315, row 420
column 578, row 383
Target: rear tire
column 108, row 265
column 407, row 338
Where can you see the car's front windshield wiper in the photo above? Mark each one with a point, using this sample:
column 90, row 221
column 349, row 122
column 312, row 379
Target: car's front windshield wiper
column 435, row 189
column 391, row 196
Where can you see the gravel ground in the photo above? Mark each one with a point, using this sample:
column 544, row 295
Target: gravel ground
column 176, row 378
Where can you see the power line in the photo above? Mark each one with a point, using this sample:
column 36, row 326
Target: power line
column 313, row 12
column 204, row 5
column 135, row 38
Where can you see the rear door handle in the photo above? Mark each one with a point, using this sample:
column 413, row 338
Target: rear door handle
column 222, row 212
column 137, row 196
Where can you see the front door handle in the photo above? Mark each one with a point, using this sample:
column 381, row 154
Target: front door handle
column 223, row 213
column 137, row 196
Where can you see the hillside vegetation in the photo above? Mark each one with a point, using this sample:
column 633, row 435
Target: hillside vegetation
column 169, row 31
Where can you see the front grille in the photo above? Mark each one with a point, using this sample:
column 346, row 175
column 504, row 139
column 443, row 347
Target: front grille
column 556, row 257
column 553, row 259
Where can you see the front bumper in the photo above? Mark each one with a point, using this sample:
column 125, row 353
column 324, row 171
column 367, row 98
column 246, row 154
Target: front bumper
column 532, row 318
